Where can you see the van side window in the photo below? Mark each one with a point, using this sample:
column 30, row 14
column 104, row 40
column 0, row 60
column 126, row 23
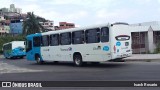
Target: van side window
column 92, row 35
column 78, row 37
column 104, row 34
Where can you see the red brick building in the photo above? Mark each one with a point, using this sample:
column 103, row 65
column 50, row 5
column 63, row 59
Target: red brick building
column 64, row 25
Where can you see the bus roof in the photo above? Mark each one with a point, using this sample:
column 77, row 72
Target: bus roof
column 75, row 29
column 12, row 42
column 79, row 28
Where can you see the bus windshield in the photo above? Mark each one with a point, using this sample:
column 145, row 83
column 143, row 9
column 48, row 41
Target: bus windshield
column 7, row 47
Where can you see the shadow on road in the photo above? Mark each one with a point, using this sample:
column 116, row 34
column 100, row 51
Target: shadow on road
column 33, row 64
column 101, row 65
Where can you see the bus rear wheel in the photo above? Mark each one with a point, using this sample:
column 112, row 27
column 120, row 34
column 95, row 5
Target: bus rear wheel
column 78, row 60
column 38, row 60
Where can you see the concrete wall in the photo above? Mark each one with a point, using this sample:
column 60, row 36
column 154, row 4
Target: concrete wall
column 150, row 45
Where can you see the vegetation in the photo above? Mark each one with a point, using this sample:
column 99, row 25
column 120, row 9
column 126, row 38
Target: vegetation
column 31, row 25
column 9, row 39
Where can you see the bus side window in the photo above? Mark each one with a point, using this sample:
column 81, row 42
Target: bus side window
column 92, row 35
column 54, row 40
column 65, row 38
column 36, row 41
column 45, row 40
column 104, row 34
column 78, row 37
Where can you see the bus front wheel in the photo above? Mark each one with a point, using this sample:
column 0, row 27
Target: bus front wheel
column 78, row 60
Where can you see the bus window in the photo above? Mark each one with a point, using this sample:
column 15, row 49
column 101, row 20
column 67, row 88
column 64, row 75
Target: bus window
column 45, row 40
column 36, row 41
column 92, row 35
column 122, row 37
column 104, row 34
column 54, row 40
column 78, row 37
column 28, row 46
column 65, row 38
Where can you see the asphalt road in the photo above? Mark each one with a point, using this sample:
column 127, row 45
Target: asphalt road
column 28, row 70
column 23, row 70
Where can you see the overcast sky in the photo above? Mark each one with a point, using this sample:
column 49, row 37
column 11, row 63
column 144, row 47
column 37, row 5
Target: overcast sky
column 88, row 12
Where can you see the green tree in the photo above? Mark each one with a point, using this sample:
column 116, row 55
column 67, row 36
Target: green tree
column 31, row 25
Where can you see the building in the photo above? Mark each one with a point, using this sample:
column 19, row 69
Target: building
column 145, row 36
column 4, row 9
column 64, row 25
column 16, row 27
column 1, row 18
column 12, row 9
column 47, row 25
column 4, row 27
column 1, row 12
column 4, row 30
column 23, row 16
column 56, row 27
column 12, row 16
column 11, row 13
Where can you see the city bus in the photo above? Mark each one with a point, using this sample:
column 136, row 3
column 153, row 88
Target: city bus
column 14, row 49
column 95, row 44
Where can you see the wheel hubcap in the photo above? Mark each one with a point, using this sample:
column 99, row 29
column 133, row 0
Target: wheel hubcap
column 77, row 61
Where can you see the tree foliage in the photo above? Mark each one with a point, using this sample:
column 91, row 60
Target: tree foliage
column 31, row 25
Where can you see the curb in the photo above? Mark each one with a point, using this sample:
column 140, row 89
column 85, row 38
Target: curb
column 143, row 60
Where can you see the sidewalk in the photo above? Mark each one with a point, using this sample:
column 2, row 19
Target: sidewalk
column 144, row 57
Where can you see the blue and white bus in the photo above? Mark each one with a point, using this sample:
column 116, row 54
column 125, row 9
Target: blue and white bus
column 14, row 49
column 94, row 44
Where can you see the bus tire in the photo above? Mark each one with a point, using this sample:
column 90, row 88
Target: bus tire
column 77, row 59
column 21, row 57
column 38, row 60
